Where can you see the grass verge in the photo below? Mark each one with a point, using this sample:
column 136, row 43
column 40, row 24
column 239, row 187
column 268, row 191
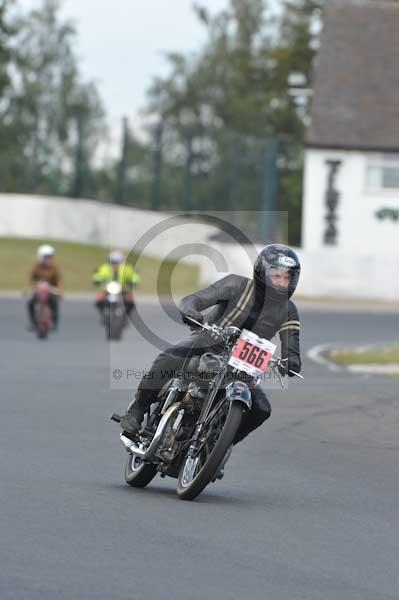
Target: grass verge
column 78, row 261
column 387, row 356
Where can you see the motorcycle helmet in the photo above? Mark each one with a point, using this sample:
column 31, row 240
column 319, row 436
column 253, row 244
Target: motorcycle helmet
column 273, row 263
column 44, row 251
column 115, row 257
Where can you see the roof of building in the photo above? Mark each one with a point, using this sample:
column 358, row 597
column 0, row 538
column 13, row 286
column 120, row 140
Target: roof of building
column 356, row 77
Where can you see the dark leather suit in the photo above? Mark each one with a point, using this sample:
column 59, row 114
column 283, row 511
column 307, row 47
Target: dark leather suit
column 237, row 301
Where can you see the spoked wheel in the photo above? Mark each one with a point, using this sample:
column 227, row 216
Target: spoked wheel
column 109, row 321
column 42, row 332
column 196, row 472
column 43, row 322
column 114, row 325
column 138, row 473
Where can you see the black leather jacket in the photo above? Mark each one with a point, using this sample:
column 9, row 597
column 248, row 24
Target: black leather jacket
column 235, row 300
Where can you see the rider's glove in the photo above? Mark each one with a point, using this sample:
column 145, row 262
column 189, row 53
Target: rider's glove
column 283, row 367
column 288, row 366
column 193, row 314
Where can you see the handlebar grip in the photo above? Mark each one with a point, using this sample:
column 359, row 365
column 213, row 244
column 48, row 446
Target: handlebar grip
column 296, row 374
column 194, row 321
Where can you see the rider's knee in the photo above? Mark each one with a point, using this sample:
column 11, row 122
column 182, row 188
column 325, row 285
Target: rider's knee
column 261, row 409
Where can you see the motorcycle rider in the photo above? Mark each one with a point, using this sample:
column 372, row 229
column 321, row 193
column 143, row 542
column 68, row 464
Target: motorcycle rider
column 261, row 304
column 116, row 270
column 45, row 269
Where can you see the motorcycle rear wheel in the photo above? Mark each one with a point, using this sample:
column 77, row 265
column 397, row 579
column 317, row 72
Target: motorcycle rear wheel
column 137, row 473
column 188, row 490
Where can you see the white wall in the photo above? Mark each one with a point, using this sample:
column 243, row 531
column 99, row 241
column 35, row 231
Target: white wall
column 359, row 230
column 96, row 223
column 111, row 226
column 328, row 272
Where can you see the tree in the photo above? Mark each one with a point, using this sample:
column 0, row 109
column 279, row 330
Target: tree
column 294, row 56
column 8, row 30
column 51, row 111
column 224, row 106
column 5, row 53
column 298, row 31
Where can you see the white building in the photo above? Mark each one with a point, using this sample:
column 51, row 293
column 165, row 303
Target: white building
column 351, row 184
column 351, row 195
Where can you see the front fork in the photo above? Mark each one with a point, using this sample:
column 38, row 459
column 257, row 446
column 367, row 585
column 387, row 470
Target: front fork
column 175, row 389
column 198, row 438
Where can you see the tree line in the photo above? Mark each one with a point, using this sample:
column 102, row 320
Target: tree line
column 222, row 130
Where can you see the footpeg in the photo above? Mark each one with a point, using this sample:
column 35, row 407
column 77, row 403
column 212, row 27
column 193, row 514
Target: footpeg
column 115, row 417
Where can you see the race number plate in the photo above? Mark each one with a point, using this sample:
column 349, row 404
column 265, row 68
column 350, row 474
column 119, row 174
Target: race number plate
column 252, row 354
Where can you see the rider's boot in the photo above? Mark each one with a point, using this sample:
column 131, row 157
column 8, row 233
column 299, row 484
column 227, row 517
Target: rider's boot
column 131, row 422
column 100, row 307
column 55, row 314
column 31, row 315
column 220, row 471
column 55, row 322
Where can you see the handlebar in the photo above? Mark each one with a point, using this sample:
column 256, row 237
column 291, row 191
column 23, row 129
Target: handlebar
column 279, row 362
column 215, row 329
column 52, row 289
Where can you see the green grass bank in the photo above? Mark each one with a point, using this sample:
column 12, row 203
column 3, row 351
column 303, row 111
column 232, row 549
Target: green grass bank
column 78, row 261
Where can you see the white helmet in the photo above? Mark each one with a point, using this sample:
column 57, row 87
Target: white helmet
column 115, row 257
column 44, row 251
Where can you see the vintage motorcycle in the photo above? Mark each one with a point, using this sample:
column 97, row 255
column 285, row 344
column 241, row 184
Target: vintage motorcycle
column 189, row 431
column 43, row 314
column 114, row 315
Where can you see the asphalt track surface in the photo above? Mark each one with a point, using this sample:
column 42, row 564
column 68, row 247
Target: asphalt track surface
column 308, row 509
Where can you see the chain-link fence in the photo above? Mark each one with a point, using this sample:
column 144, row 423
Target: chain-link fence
column 223, row 172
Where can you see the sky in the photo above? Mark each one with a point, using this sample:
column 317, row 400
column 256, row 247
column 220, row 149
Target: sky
column 121, row 44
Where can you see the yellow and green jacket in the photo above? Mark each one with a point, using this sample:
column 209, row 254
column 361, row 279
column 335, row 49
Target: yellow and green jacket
column 126, row 275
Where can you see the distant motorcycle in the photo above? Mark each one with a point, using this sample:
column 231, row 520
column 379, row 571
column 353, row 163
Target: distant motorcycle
column 114, row 313
column 43, row 314
column 189, row 430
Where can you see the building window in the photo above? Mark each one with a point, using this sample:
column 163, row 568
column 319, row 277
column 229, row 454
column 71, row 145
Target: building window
column 383, row 172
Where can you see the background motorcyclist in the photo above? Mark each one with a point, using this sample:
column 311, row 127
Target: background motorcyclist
column 45, row 269
column 116, row 270
column 261, row 305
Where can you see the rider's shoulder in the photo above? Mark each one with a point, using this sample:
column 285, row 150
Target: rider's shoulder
column 292, row 308
column 234, row 281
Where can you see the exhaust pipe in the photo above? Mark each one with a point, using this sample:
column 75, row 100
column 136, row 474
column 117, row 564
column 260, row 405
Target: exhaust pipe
column 149, row 454
column 131, row 447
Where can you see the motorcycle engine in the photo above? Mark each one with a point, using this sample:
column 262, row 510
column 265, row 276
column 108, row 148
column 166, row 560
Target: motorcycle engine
column 167, row 450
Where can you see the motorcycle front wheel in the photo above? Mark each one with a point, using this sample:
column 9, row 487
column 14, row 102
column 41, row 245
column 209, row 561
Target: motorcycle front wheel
column 114, row 324
column 43, row 318
column 196, row 473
